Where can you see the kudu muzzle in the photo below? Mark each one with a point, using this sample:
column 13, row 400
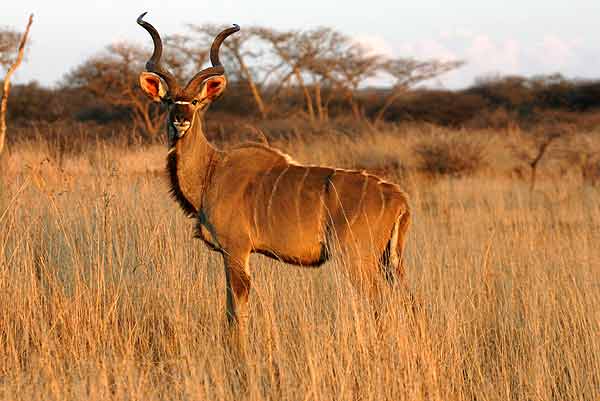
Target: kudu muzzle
column 181, row 117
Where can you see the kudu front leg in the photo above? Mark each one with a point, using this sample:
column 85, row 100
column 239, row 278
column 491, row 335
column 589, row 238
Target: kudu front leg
column 237, row 274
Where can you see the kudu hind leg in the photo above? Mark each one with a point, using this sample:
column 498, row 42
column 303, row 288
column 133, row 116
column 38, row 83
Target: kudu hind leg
column 237, row 274
column 403, row 225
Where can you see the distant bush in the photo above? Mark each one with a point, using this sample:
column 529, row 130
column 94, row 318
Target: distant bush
column 450, row 155
column 498, row 118
column 500, row 103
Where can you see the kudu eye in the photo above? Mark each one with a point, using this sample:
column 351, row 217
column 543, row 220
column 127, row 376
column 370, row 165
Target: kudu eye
column 195, row 102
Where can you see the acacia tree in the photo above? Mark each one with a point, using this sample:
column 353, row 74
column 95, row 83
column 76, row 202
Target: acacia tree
column 407, row 72
column 323, row 57
column 112, row 76
column 183, row 56
column 320, row 52
column 295, row 51
column 8, row 39
column 268, row 60
column 240, row 51
column 329, row 58
column 344, row 67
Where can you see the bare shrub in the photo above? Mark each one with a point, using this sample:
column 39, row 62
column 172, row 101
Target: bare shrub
column 456, row 155
column 531, row 147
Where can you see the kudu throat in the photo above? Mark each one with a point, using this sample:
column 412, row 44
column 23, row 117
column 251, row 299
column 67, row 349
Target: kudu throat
column 190, row 164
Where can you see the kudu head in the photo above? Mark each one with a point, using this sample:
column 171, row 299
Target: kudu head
column 185, row 104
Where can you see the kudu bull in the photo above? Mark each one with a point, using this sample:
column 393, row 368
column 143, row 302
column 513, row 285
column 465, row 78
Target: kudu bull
column 255, row 198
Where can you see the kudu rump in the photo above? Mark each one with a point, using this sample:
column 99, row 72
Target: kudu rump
column 255, row 198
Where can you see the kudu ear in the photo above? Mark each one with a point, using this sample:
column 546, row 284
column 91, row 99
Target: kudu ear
column 214, row 87
column 152, row 86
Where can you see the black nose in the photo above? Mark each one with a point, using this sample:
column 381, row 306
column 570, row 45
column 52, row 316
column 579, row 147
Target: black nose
column 179, row 117
column 181, row 112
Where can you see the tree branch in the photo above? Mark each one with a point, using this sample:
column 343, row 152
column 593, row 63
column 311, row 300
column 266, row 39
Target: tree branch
column 6, row 90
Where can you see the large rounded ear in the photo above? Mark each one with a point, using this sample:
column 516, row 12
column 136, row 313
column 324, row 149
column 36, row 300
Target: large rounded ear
column 214, row 86
column 152, row 86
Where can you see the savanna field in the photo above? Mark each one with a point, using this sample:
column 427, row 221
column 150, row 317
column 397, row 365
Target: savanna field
column 105, row 295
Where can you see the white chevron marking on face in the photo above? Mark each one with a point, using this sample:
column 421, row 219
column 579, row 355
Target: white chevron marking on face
column 182, row 102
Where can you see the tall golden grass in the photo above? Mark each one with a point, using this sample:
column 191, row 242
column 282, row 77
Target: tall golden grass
column 105, row 295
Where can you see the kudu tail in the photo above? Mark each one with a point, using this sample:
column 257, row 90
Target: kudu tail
column 392, row 261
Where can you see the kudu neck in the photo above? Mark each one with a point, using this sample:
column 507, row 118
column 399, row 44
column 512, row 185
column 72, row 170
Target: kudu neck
column 190, row 166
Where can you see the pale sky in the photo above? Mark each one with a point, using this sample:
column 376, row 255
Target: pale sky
column 525, row 37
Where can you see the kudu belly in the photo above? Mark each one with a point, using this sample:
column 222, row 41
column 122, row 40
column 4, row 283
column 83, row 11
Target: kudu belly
column 304, row 214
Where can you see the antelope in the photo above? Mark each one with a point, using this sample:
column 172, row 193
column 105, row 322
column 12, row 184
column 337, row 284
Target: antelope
column 256, row 199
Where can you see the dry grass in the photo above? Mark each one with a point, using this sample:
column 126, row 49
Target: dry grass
column 105, row 295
